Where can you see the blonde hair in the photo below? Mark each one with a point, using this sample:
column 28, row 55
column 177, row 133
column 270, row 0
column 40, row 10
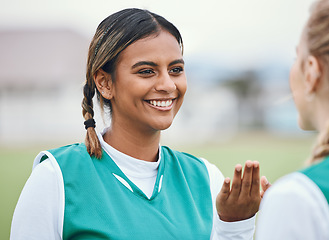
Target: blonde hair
column 321, row 146
column 317, row 41
column 114, row 34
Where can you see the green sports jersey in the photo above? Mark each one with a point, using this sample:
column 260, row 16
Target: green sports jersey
column 99, row 206
column 319, row 174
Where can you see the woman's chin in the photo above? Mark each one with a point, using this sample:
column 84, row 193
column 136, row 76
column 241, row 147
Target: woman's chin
column 305, row 126
column 163, row 125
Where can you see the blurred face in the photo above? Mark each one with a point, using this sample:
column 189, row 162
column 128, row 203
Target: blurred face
column 298, row 87
column 150, row 84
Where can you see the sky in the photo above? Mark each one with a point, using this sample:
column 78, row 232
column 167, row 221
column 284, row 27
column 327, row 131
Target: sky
column 238, row 32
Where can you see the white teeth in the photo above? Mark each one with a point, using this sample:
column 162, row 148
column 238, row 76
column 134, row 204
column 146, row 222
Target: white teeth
column 161, row 103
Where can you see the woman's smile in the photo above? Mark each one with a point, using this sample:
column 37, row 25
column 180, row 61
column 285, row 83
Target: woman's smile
column 161, row 104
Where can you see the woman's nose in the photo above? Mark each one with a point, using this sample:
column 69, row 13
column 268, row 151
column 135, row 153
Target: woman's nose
column 165, row 83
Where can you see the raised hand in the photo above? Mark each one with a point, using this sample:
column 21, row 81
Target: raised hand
column 242, row 200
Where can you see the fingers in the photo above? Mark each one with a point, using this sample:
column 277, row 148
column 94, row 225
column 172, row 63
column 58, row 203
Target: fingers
column 247, row 179
column 225, row 191
column 245, row 186
column 255, row 180
column 265, row 185
column 236, row 182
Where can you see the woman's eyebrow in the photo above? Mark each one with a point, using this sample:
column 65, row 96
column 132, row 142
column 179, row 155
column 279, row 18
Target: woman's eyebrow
column 177, row 61
column 141, row 63
column 153, row 64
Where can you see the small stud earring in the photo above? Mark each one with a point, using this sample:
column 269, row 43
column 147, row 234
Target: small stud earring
column 102, row 92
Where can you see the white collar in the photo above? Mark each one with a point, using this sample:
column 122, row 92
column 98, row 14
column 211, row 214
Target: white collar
column 130, row 166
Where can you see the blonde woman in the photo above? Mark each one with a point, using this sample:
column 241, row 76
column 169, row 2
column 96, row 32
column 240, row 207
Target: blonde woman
column 296, row 206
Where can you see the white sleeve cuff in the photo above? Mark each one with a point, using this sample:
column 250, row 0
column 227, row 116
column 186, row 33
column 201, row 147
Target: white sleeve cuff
column 243, row 229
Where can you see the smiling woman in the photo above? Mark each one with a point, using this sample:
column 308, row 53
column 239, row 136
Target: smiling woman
column 121, row 183
column 146, row 92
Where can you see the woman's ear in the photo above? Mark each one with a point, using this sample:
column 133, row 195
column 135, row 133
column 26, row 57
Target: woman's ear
column 313, row 74
column 103, row 81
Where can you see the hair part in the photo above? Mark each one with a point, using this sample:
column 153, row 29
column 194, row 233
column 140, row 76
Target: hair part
column 114, row 34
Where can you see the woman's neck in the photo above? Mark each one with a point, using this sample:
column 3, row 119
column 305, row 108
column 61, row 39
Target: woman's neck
column 321, row 115
column 135, row 144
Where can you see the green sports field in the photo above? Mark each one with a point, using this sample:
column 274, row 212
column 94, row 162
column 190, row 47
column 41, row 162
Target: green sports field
column 278, row 155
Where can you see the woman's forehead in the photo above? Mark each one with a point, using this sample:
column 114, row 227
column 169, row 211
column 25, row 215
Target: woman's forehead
column 157, row 46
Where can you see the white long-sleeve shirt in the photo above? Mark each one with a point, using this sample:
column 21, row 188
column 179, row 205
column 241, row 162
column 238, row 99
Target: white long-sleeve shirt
column 294, row 208
column 39, row 212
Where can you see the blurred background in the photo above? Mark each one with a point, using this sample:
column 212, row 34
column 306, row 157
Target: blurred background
column 238, row 105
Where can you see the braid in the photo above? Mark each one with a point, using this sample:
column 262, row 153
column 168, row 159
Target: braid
column 321, row 148
column 92, row 142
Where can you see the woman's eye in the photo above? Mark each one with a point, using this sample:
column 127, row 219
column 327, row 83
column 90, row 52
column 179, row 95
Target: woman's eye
column 146, row 71
column 176, row 70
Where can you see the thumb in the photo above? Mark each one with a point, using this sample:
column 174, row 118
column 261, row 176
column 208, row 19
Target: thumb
column 265, row 185
column 225, row 191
